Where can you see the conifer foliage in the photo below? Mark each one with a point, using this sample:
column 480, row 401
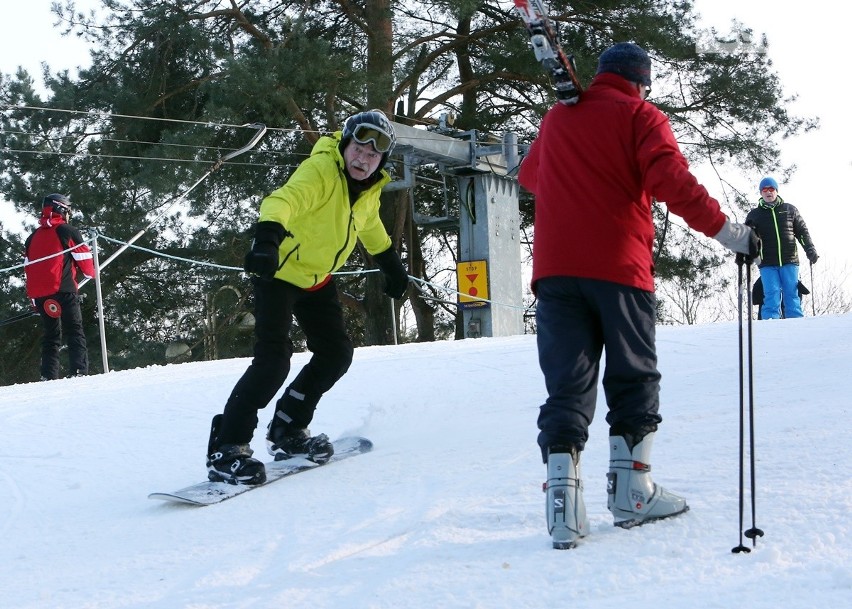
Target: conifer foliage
column 171, row 84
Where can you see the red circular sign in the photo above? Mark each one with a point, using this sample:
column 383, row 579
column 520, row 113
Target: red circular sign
column 52, row 308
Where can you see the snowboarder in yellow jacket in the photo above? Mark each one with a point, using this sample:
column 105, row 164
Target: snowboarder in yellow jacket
column 307, row 229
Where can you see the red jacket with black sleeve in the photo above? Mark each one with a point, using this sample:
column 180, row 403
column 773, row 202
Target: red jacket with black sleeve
column 59, row 273
column 594, row 169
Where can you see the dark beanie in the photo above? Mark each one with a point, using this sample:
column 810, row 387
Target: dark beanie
column 628, row 60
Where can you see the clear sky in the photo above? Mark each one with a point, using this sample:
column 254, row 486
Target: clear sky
column 28, row 38
column 807, row 48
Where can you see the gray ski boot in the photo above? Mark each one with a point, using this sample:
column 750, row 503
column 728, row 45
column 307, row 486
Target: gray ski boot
column 632, row 496
column 566, row 511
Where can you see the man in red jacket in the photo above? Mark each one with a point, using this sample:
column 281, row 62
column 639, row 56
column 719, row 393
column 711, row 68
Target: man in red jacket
column 594, row 169
column 53, row 253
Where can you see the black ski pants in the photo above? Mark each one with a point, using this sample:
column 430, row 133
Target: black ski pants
column 60, row 314
column 577, row 319
column 320, row 316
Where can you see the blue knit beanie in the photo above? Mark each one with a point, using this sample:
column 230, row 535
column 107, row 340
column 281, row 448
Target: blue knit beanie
column 768, row 183
column 628, row 60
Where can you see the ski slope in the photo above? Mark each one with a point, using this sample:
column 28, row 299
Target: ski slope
column 447, row 511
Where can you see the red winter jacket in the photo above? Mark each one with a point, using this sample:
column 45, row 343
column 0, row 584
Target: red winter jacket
column 56, row 274
column 594, row 169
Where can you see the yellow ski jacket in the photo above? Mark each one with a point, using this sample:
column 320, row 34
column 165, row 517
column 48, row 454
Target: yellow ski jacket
column 314, row 207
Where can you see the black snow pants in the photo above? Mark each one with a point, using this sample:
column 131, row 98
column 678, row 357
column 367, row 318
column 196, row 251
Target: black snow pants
column 60, row 314
column 320, row 316
column 576, row 320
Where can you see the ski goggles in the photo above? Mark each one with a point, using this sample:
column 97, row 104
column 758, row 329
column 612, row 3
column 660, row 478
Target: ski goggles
column 381, row 140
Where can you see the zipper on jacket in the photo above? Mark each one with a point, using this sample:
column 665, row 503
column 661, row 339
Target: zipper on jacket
column 351, row 219
column 777, row 234
column 345, row 243
column 295, row 250
column 772, row 209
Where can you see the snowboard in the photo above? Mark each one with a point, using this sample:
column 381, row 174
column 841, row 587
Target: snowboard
column 208, row 493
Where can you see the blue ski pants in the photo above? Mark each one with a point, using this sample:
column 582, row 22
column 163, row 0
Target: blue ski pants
column 778, row 282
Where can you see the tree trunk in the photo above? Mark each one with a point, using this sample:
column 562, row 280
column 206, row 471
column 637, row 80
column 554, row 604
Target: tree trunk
column 379, row 320
column 380, row 55
column 424, row 314
column 467, row 109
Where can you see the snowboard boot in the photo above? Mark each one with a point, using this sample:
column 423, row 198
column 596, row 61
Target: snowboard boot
column 231, row 463
column 566, row 511
column 283, row 441
column 632, row 496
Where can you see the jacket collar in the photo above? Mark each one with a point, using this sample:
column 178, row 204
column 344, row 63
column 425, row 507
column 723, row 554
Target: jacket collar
column 50, row 218
column 614, row 81
column 767, row 205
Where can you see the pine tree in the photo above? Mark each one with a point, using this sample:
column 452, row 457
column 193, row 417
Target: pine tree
column 170, row 84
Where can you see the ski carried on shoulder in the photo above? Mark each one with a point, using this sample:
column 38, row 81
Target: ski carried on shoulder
column 208, row 493
column 545, row 44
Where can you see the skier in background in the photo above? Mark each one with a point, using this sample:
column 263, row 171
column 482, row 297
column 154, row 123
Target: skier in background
column 780, row 226
column 52, row 285
column 306, row 231
column 594, row 169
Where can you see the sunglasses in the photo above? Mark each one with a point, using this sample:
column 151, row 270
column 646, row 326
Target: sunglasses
column 768, row 189
column 370, row 134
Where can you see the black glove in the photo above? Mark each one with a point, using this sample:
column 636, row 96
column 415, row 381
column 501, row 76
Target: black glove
column 262, row 259
column 396, row 279
column 812, row 256
column 754, row 247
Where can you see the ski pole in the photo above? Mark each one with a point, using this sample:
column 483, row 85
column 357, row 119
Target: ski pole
column 741, row 547
column 753, row 533
column 813, row 290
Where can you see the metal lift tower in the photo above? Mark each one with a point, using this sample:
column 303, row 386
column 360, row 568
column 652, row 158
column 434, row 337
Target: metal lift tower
column 488, row 223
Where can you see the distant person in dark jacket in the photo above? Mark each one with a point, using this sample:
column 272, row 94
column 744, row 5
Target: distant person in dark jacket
column 52, row 285
column 780, row 227
column 305, row 232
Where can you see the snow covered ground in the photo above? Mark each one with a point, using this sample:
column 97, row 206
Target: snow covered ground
column 447, row 511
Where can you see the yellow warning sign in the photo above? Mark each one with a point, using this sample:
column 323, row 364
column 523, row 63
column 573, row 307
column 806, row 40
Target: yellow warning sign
column 472, row 279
